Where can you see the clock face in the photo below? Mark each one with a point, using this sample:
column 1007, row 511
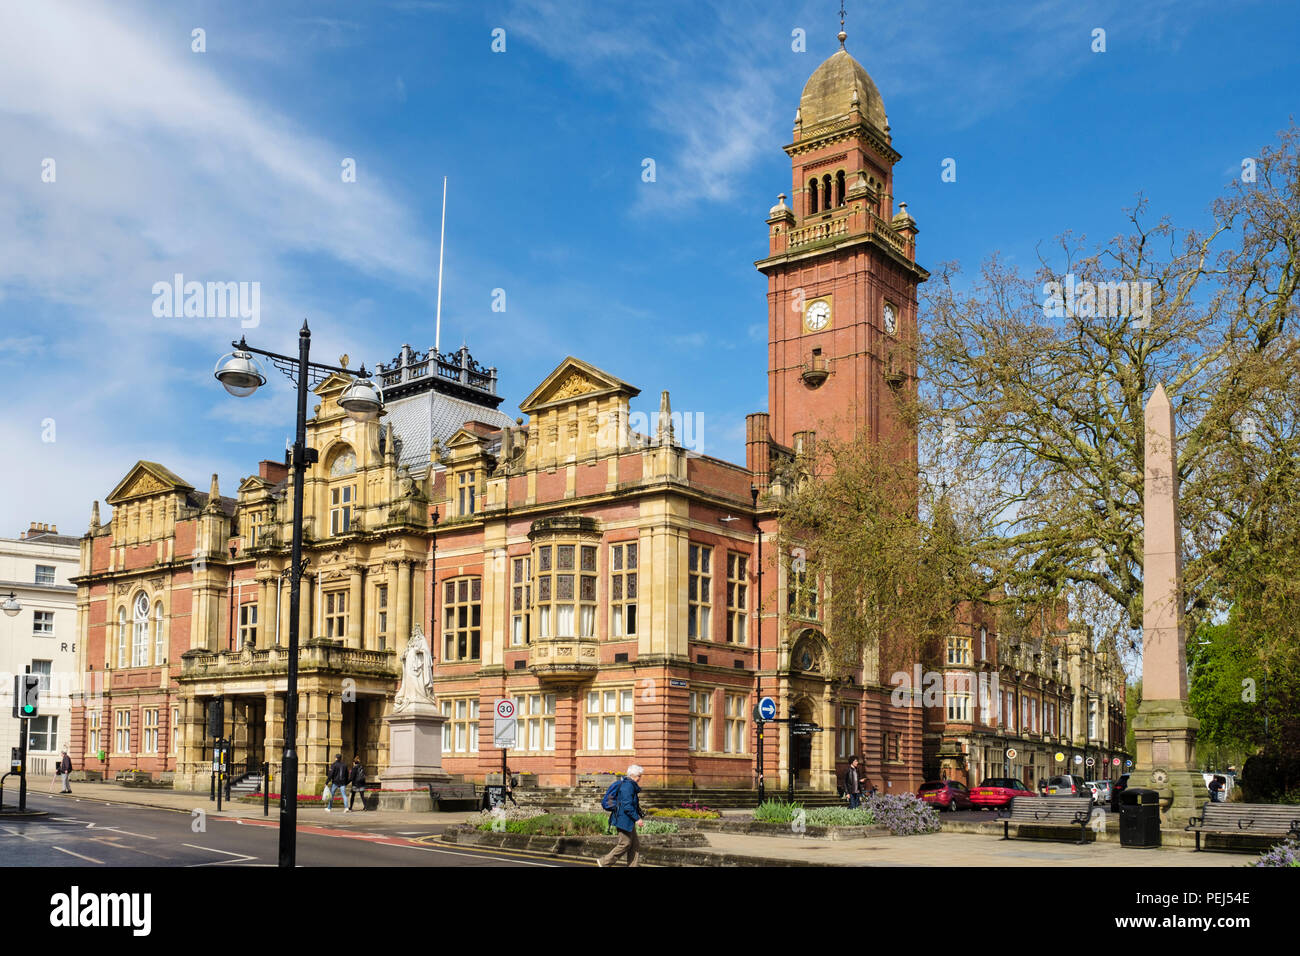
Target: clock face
column 891, row 319
column 817, row 316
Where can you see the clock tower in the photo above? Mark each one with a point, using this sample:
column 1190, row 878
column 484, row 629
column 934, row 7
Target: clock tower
column 841, row 271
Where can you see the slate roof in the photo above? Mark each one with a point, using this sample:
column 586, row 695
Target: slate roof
column 419, row 420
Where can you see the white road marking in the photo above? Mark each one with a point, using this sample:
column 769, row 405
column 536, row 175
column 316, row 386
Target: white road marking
column 239, row 857
column 143, row 836
column 89, row 859
column 473, row 856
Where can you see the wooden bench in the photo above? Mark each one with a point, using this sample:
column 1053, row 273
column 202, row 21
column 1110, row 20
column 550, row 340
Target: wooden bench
column 463, row 795
column 1263, row 820
column 1057, row 812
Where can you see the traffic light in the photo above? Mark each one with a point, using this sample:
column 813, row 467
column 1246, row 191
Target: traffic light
column 27, row 691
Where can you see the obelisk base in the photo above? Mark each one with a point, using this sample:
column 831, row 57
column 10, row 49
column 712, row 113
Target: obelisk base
column 414, row 749
column 1166, row 759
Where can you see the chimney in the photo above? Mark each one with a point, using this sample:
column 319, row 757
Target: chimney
column 273, row 471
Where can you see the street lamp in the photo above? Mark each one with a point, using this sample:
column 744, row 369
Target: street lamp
column 12, row 605
column 239, row 373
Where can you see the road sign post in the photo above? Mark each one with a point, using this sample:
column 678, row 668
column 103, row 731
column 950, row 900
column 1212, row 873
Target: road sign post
column 763, row 712
column 505, row 734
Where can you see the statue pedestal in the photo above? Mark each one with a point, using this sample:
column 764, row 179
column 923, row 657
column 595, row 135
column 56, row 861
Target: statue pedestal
column 1165, row 731
column 414, row 748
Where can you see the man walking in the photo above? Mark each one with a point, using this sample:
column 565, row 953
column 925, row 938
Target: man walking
column 852, row 786
column 626, row 818
column 337, row 778
column 357, row 780
column 65, row 768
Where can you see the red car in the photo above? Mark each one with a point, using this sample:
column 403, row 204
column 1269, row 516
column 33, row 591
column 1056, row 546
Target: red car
column 996, row 792
column 945, row 794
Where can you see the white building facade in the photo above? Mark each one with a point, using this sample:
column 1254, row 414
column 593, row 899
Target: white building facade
column 42, row 636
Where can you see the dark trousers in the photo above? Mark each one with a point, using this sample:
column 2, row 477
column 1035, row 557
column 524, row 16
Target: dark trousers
column 854, row 800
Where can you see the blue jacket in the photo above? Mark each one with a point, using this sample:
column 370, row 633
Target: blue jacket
column 627, row 808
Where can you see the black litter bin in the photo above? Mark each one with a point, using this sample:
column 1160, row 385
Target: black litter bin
column 1139, row 818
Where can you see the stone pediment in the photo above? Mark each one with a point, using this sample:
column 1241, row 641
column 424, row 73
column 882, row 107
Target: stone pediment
column 575, row 380
column 146, row 480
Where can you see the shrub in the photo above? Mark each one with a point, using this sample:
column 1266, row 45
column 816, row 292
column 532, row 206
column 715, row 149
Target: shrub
column 775, row 811
column 687, row 814
column 841, row 817
column 538, row 823
column 1284, row 854
column 902, row 813
column 697, row 806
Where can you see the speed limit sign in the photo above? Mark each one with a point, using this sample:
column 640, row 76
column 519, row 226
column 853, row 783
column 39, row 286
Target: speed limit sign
column 505, row 728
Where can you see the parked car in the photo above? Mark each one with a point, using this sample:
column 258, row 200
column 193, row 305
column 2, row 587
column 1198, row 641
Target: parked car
column 945, row 794
column 996, row 792
column 1067, row 785
column 1100, row 791
column 1118, row 787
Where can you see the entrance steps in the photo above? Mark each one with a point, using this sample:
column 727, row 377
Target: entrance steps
column 247, row 786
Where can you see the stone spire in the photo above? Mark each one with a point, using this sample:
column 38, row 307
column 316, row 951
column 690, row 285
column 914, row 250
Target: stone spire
column 214, row 496
column 664, row 434
column 94, row 518
column 1164, row 728
column 1164, row 664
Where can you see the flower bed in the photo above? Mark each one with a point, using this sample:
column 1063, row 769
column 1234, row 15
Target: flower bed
column 1284, row 854
column 902, row 813
column 686, row 813
column 533, row 823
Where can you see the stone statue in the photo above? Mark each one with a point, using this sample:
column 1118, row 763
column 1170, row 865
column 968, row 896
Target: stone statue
column 417, row 673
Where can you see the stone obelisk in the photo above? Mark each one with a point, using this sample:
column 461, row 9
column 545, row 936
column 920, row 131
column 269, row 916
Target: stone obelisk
column 1164, row 725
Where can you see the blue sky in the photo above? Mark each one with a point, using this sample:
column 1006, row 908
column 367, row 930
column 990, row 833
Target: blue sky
column 225, row 165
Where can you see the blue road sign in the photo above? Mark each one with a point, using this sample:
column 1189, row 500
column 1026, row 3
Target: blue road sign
column 767, row 708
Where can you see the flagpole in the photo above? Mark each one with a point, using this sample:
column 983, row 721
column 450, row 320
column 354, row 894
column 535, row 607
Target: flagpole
column 437, row 329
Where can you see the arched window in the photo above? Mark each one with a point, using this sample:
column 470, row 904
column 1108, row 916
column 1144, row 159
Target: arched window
column 140, row 633
column 812, row 195
column 827, row 198
column 839, row 188
column 159, row 641
column 121, row 637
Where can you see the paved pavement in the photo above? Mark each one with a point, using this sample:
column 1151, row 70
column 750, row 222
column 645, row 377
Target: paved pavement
column 371, row 829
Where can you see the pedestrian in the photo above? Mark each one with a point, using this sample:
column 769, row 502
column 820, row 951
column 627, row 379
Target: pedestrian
column 626, row 817
column 1042, row 787
column 65, row 768
column 852, row 785
column 510, row 786
column 337, row 778
column 1216, row 788
column 357, row 779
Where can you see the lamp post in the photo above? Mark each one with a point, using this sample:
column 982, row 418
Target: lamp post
column 758, row 636
column 240, row 375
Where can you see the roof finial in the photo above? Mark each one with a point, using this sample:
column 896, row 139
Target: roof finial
column 842, row 35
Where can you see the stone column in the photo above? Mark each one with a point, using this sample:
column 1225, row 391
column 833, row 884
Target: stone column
column 274, row 749
column 355, row 608
column 403, row 625
column 265, row 613
column 1164, row 726
column 391, row 574
column 188, row 763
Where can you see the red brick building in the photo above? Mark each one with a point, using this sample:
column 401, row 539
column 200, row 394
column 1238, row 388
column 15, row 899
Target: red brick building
column 626, row 591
